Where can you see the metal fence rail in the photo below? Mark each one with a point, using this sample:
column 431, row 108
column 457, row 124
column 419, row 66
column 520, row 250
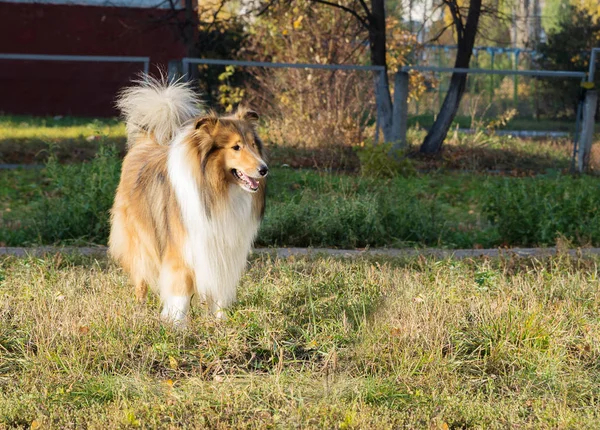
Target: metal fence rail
column 540, row 73
column 582, row 141
column 186, row 62
column 88, row 58
column 584, row 129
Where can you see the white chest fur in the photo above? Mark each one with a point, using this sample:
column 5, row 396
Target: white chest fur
column 217, row 247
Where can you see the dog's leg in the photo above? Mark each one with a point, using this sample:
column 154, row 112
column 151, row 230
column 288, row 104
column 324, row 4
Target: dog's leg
column 217, row 308
column 141, row 290
column 175, row 310
column 176, row 289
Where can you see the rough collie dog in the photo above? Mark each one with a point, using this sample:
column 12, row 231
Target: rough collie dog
column 190, row 199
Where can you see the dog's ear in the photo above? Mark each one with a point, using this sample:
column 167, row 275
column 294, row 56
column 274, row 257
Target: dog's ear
column 207, row 123
column 251, row 116
column 246, row 115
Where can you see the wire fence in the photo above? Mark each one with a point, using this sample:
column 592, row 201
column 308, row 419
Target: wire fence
column 307, row 105
column 540, row 100
column 336, row 103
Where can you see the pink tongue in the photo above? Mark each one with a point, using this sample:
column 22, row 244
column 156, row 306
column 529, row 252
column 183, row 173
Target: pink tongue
column 253, row 182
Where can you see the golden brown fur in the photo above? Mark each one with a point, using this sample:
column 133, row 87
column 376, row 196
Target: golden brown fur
column 150, row 234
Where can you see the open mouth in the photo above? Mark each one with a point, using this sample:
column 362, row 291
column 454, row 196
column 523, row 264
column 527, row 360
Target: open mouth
column 246, row 182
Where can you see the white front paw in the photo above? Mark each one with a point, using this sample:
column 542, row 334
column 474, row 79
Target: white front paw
column 175, row 310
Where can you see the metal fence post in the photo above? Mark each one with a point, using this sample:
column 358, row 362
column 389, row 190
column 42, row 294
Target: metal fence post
column 185, row 69
column 174, row 70
column 592, row 64
column 385, row 113
column 587, row 130
column 400, row 116
column 516, row 80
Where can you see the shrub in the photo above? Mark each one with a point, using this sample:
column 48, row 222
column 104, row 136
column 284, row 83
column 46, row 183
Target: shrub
column 383, row 162
column 363, row 213
column 535, row 211
column 312, row 108
column 76, row 208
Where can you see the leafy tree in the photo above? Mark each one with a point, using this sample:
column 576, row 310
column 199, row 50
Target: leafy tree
column 568, row 47
column 311, row 35
column 373, row 20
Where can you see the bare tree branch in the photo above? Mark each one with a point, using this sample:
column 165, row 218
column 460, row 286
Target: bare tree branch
column 440, row 33
column 456, row 17
column 360, row 46
column 215, row 14
column 428, row 18
column 366, row 9
column 362, row 20
column 266, row 7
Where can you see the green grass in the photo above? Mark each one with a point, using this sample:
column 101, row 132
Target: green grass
column 25, row 139
column 69, row 204
column 311, row 343
column 311, row 209
column 31, row 126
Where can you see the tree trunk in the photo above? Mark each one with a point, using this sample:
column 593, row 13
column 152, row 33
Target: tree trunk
column 191, row 21
column 378, row 53
column 466, row 40
column 190, row 36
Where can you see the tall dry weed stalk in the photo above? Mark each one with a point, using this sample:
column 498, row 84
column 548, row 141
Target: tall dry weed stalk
column 307, row 107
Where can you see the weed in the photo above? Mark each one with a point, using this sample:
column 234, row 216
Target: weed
column 383, row 161
column 537, row 211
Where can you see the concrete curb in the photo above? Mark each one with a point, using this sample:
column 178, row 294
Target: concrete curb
column 100, row 251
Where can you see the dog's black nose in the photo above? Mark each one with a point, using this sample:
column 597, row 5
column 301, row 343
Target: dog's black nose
column 263, row 170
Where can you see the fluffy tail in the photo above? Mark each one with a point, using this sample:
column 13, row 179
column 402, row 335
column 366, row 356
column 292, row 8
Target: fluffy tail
column 157, row 107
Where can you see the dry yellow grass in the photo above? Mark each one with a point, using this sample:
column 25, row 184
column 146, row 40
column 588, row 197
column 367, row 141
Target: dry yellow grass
column 312, row 343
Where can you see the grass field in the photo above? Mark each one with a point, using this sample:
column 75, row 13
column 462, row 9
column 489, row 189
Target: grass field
column 529, row 124
column 312, row 343
column 69, row 204
column 25, row 139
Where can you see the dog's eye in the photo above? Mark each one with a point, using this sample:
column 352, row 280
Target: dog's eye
column 236, row 148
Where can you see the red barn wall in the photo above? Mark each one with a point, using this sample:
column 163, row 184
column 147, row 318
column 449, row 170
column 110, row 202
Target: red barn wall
column 78, row 88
